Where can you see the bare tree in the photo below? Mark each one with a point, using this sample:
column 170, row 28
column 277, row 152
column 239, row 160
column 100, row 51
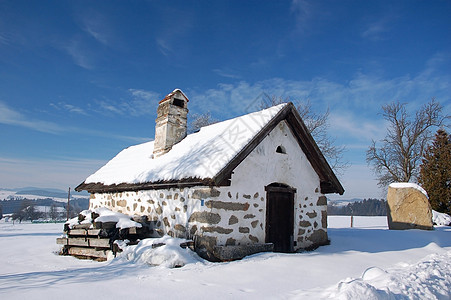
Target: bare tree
column 200, row 120
column 318, row 126
column 397, row 159
column 53, row 212
column 27, row 211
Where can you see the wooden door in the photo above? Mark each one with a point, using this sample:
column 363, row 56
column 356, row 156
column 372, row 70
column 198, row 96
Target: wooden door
column 279, row 218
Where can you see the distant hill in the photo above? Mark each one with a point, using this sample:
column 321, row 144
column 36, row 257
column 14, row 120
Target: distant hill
column 343, row 202
column 357, row 207
column 11, row 199
column 27, row 192
column 44, row 193
column 12, row 206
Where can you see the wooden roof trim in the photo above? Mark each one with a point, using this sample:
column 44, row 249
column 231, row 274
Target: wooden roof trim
column 122, row 187
column 328, row 179
column 329, row 183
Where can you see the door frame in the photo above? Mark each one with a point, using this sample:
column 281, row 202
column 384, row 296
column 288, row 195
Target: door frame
column 280, row 188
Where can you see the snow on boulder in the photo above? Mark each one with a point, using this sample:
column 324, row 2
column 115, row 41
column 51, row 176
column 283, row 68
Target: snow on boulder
column 165, row 252
column 400, row 185
column 408, row 207
column 441, row 219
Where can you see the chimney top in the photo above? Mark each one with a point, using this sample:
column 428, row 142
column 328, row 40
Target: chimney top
column 174, row 93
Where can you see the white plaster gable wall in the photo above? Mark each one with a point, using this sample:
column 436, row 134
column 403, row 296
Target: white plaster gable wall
column 265, row 166
column 292, row 168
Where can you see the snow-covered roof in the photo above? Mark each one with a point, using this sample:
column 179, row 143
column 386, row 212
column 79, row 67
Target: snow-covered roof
column 200, row 158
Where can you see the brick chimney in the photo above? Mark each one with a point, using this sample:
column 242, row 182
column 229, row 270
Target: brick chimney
column 171, row 122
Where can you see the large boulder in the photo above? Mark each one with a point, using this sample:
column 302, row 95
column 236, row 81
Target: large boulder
column 408, row 207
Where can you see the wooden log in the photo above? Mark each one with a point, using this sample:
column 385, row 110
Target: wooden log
column 81, row 226
column 140, row 232
column 77, row 232
column 89, row 252
column 77, row 242
column 94, row 231
column 105, row 225
column 61, row 241
column 99, row 243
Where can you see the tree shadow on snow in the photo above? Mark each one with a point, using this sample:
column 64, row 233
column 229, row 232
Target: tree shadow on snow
column 35, row 234
column 31, row 280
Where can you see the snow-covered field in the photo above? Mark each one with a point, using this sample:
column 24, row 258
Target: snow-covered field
column 365, row 262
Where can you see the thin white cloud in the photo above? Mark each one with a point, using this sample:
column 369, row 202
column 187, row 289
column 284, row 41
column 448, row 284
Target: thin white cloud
column 142, row 103
column 164, row 46
column 172, row 33
column 303, row 11
column 78, row 53
column 364, row 94
column 351, row 125
column 143, row 94
column 93, row 31
column 138, row 102
column 9, row 116
column 109, row 107
column 69, row 107
column 226, row 72
column 4, row 40
column 54, row 173
column 375, row 30
column 97, row 26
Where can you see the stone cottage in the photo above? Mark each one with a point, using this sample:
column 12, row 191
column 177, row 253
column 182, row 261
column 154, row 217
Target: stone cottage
column 249, row 184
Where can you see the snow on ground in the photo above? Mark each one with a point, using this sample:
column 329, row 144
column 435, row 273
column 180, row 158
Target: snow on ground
column 365, row 262
column 440, row 218
column 165, row 251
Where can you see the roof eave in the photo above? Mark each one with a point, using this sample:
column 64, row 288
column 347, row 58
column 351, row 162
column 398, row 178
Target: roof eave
column 122, row 187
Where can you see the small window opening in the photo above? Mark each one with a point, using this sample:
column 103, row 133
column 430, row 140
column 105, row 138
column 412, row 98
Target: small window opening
column 179, row 102
column 281, row 149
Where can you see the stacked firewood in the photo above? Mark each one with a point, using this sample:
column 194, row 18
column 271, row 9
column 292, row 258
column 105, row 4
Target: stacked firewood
column 95, row 240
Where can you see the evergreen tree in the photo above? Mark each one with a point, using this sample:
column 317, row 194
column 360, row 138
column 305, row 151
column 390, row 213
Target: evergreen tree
column 435, row 172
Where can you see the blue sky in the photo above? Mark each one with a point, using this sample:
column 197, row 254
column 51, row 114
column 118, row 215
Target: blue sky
column 81, row 80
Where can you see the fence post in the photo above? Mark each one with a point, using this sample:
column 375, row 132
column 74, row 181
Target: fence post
column 68, row 205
